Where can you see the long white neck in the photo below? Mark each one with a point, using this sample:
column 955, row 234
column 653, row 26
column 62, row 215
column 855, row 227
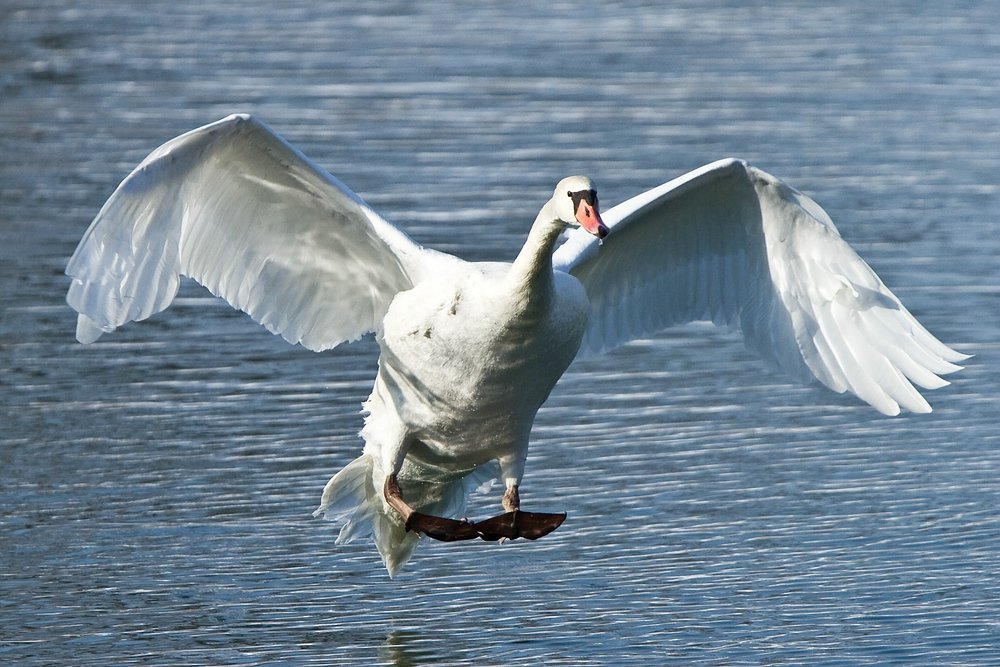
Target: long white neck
column 531, row 273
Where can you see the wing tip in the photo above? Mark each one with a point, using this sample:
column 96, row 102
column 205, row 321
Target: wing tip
column 956, row 358
column 87, row 330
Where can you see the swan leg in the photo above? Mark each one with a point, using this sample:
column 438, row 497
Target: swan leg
column 511, row 499
column 436, row 527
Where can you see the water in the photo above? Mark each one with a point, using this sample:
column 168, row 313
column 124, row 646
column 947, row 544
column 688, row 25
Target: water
column 156, row 488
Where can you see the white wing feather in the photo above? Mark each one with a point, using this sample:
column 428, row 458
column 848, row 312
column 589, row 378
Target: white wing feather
column 734, row 245
column 241, row 211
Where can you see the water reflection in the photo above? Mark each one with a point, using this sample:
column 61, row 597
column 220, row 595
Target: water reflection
column 404, row 648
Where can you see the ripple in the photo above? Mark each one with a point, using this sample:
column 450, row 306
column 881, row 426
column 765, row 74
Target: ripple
column 157, row 486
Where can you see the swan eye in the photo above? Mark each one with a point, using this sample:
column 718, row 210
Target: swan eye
column 589, row 196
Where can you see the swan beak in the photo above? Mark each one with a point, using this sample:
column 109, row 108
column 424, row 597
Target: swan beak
column 590, row 219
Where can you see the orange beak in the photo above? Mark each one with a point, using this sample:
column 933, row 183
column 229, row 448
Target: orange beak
column 590, row 219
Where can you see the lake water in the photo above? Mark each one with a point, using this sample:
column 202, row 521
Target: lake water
column 156, row 487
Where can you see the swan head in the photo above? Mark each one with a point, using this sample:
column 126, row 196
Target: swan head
column 575, row 201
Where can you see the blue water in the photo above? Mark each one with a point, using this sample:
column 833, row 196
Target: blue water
column 156, row 488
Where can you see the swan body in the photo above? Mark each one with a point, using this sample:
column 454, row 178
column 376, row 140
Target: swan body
column 470, row 351
column 465, row 363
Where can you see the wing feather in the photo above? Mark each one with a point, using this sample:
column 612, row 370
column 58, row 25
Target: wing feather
column 241, row 211
column 732, row 244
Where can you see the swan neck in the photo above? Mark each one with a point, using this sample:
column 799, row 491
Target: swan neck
column 532, row 270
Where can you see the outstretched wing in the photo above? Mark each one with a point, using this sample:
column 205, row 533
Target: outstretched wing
column 734, row 245
column 248, row 216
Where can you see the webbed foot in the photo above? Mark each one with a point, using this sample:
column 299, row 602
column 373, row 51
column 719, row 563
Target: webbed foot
column 507, row 526
column 515, row 524
column 441, row 528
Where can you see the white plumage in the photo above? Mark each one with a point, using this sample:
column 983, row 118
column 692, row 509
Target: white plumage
column 732, row 244
column 471, row 350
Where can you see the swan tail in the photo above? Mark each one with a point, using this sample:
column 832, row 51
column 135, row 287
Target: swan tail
column 353, row 498
column 350, row 498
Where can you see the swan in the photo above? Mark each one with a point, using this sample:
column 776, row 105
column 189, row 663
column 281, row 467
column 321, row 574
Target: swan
column 470, row 351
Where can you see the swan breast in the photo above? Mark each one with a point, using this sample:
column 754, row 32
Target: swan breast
column 461, row 362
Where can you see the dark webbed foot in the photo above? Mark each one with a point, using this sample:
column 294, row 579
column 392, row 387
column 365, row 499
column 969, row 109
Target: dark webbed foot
column 441, row 528
column 515, row 524
column 508, row 526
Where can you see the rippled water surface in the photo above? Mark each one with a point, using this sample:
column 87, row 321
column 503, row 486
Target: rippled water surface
column 156, row 488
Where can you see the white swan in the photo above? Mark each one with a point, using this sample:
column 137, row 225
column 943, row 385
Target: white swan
column 469, row 351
